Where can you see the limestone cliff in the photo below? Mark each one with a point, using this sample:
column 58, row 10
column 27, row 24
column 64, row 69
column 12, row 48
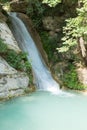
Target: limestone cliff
column 12, row 82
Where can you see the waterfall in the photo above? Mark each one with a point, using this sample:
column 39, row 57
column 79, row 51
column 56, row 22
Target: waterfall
column 42, row 75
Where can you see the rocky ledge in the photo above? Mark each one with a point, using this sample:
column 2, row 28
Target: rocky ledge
column 8, row 37
column 12, row 82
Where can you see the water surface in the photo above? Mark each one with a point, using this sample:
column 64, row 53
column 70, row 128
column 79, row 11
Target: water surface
column 44, row 111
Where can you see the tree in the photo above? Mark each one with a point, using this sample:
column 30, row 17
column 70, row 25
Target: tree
column 75, row 31
column 51, row 3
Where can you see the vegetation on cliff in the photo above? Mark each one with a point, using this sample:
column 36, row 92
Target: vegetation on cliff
column 16, row 60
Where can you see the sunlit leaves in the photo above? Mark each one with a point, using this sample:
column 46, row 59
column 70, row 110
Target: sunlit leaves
column 51, row 3
column 63, row 49
column 75, row 27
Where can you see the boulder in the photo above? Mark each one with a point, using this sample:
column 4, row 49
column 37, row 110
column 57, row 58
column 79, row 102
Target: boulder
column 5, row 68
column 82, row 75
column 51, row 23
column 59, row 69
column 12, row 82
column 8, row 37
column 12, row 93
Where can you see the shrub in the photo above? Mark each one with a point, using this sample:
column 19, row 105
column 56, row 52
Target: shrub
column 49, row 45
column 3, row 47
column 17, row 61
column 71, row 79
column 36, row 12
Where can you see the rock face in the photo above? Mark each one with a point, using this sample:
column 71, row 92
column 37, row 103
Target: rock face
column 51, row 24
column 82, row 75
column 2, row 17
column 7, row 37
column 19, row 6
column 6, row 34
column 5, row 68
column 12, row 83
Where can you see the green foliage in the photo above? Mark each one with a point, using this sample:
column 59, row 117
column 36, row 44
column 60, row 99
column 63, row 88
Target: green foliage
column 75, row 28
column 49, row 45
column 71, row 79
column 4, row 1
column 36, row 12
column 17, row 61
column 3, row 47
column 51, row 3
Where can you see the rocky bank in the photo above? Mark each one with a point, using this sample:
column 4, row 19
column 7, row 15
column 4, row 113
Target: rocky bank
column 12, row 82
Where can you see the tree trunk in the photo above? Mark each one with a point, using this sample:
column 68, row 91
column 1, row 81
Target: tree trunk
column 83, row 49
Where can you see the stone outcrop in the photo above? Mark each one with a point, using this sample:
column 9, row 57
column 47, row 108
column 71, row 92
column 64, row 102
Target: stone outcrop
column 8, row 37
column 6, row 34
column 19, row 6
column 82, row 75
column 12, row 82
column 52, row 25
column 5, row 68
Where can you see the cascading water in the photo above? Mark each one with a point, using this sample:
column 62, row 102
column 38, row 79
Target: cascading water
column 42, row 75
